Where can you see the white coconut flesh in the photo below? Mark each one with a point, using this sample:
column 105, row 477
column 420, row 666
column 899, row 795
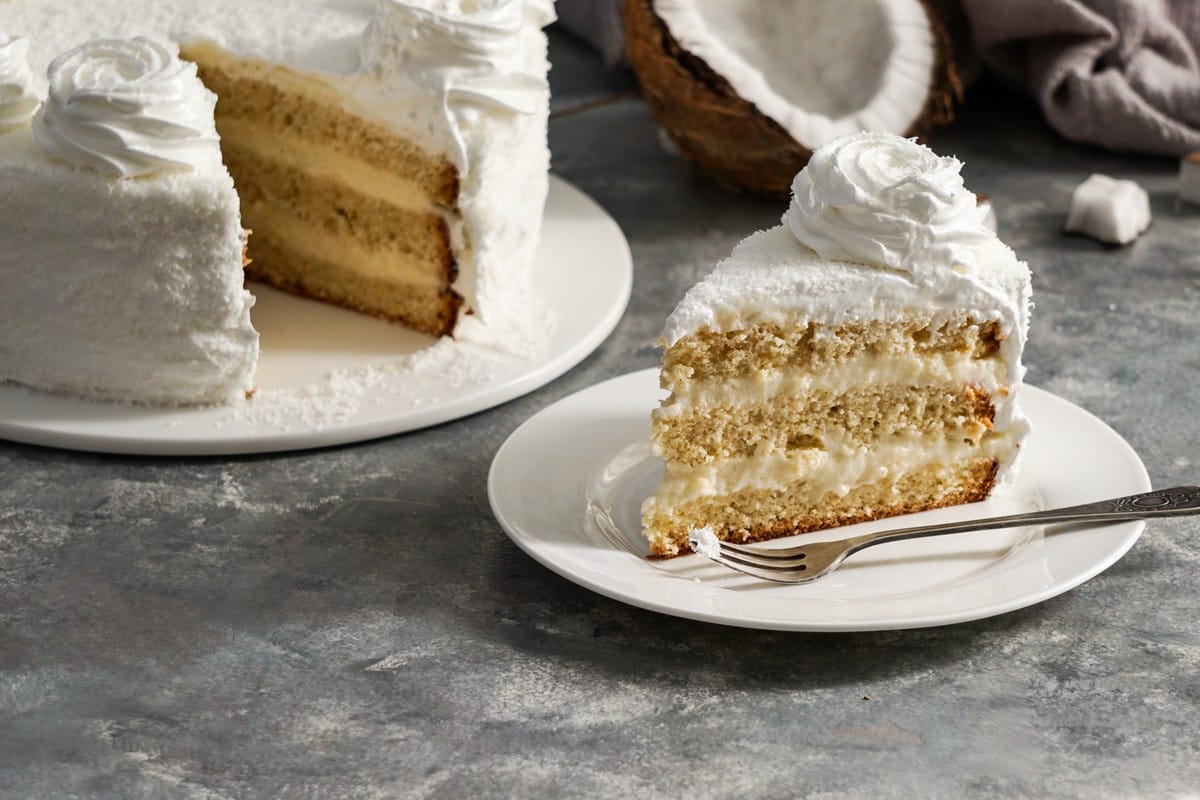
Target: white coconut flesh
column 819, row 68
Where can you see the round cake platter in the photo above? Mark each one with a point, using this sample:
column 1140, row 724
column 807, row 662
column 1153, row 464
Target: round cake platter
column 328, row 376
column 576, row 511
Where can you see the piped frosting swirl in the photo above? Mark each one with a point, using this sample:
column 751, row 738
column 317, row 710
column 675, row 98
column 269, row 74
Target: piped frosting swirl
column 880, row 199
column 18, row 99
column 129, row 108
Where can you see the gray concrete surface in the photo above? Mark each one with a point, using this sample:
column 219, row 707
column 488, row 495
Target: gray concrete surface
column 353, row 622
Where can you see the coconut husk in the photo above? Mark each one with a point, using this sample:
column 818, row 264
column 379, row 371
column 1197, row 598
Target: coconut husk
column 726, row 135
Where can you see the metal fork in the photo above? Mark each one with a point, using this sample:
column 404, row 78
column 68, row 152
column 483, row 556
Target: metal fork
column 807, row 563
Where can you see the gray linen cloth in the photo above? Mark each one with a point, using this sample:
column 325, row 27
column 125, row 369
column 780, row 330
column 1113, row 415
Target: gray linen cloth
column 1124, row 74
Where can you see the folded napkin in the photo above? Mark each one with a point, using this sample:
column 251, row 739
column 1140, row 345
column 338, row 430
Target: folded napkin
column 1123, row 74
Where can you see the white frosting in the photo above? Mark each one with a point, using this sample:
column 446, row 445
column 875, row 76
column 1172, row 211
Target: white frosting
column 879, row 199
column 127, row 107
column 18, row 97
column 127, row 290
column 470, row 76
column 771, row 276
column 468, row 53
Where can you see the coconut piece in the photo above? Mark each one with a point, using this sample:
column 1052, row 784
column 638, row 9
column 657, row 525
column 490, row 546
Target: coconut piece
column 747, row 89
column 1113, row 211
column 1189, row 178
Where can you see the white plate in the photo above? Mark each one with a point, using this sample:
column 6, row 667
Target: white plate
column 386, row 379
column 568, row 484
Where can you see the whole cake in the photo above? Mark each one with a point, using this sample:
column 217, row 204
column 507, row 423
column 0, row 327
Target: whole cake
column 860, row 360
column 121, row 246
column 390, row 155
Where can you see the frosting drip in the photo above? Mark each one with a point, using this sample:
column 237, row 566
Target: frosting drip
column 468, row 52
column 18, row 100
column 880, row 199
column 128, row 108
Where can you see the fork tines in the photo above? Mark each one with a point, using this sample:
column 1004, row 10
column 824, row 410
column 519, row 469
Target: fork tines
column 763, row 558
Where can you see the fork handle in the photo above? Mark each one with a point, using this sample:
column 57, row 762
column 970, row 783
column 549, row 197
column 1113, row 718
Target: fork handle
column 1177, row 501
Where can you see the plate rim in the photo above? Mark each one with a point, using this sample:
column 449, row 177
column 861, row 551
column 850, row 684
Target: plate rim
column 1133, row 530
column 146, row 443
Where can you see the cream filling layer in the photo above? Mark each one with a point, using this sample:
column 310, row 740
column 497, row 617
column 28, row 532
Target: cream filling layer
column 855, row 373
column 320, row 160
column 836, row 469
column 384, row 265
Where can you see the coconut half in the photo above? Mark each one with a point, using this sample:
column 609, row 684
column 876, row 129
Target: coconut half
column 749, row 88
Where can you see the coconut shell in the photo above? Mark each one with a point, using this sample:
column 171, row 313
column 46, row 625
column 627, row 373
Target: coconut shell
column 726, row 135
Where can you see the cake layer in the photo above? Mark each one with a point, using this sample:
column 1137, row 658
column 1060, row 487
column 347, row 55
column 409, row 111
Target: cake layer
column 430, row 309
column 823, row 420
column 369, row 236
column 775, row 345
column 854, row 372
column 753, row 515
column 836, row 467
column 286, row 102
column 316, row 159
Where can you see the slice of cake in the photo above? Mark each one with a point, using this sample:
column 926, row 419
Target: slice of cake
column 860, row 360
column 120, row 242
column 390, row 154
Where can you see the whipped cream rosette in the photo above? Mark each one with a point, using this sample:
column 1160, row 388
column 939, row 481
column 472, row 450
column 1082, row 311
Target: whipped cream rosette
column 18, row 98
column 879, row 199
column 129, row 108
